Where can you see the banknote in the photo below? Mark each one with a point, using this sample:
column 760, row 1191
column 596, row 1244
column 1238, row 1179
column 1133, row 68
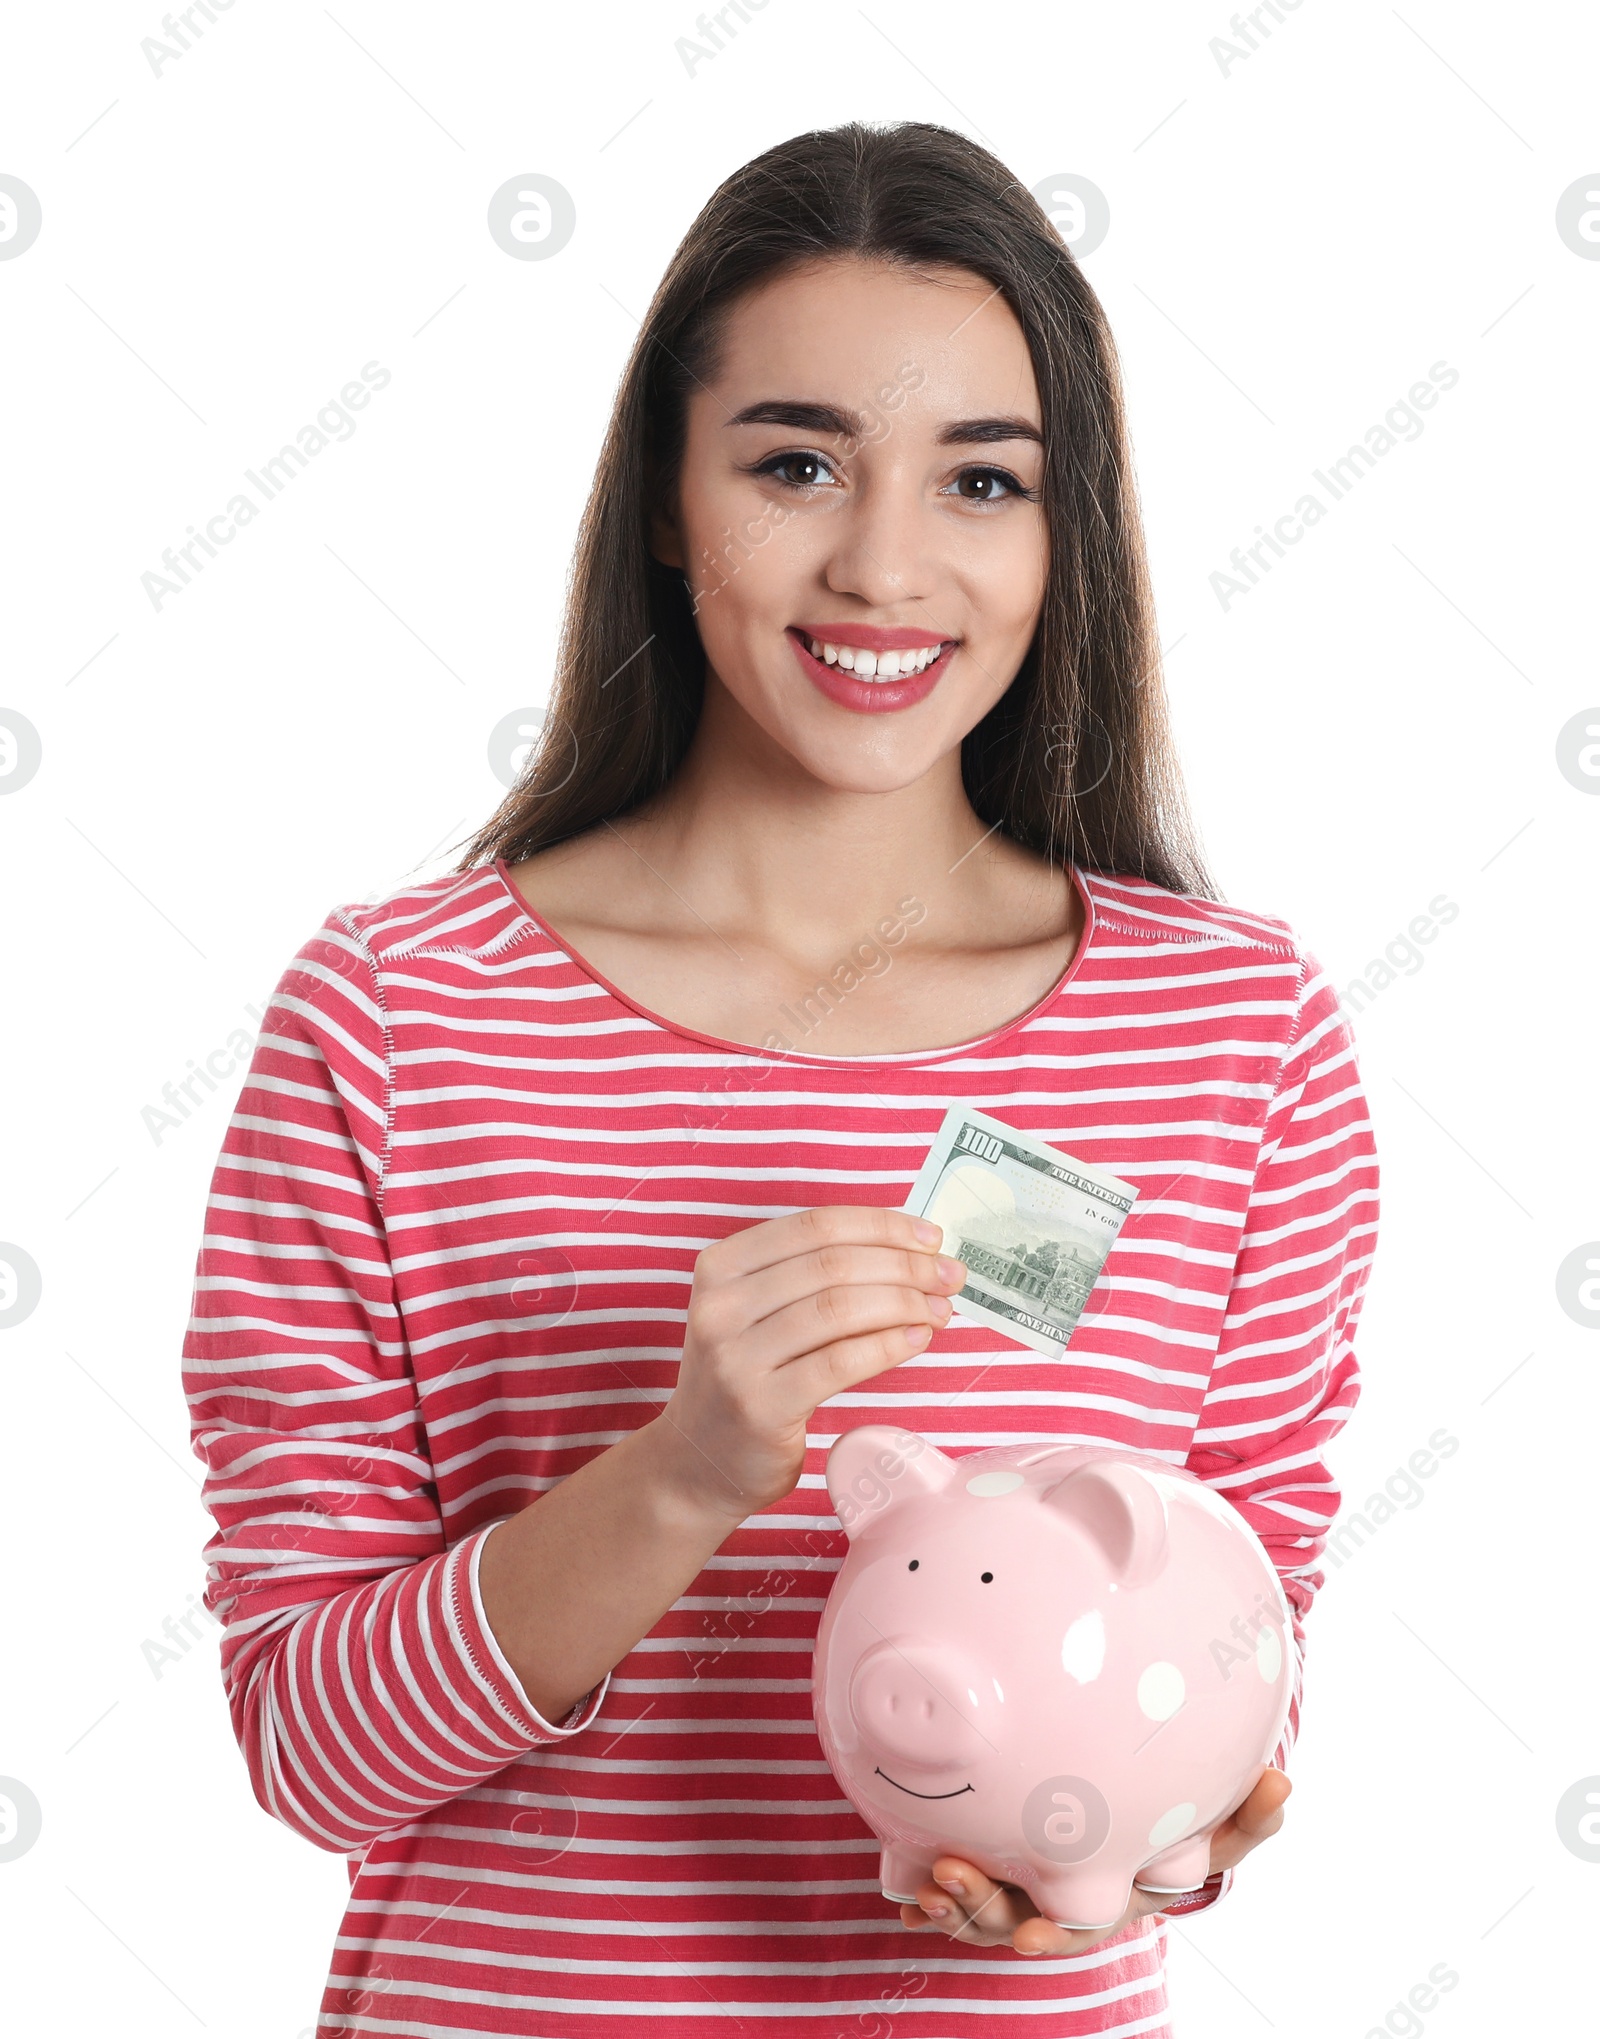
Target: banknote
column 1033, row 1225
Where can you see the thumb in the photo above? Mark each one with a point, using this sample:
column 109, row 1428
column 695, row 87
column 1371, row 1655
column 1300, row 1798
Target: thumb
column 1262, row 1812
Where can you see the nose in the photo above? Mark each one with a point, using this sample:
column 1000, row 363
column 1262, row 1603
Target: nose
column 883, row 550
column 917, row 1702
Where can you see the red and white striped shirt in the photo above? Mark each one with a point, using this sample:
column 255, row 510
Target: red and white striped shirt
column 447, row 1260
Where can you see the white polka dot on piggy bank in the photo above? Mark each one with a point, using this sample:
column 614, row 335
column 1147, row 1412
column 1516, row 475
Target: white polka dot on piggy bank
column 1066, row 1665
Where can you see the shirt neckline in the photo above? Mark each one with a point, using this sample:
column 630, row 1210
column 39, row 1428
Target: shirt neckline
column 912, row 1057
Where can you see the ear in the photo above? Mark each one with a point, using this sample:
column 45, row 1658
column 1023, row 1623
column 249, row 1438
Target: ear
column 665, row 541
column 872, row 1468
column 1124, row 1512
column 665, row 544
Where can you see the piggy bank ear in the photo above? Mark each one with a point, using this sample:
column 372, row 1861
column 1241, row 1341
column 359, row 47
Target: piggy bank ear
column 872, row 1468
column 1123, row 1511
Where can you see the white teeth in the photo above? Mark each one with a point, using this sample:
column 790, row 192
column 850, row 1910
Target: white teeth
column 867, row 665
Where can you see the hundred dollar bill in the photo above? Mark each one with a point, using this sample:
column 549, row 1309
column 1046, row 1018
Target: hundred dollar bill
column 1033, row 1225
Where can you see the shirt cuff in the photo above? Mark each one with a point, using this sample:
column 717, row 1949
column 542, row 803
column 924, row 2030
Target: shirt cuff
column 1218, row 1884
column 478, row 1642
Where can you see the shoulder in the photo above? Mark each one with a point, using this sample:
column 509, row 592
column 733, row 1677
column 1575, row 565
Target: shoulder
column 464, row 912
column 1139, row 907
column 336, row 981
column 1277, row 963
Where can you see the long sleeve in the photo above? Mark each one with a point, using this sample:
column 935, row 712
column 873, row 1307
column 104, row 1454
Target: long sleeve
column 1285, row 1378
column 364, row 1683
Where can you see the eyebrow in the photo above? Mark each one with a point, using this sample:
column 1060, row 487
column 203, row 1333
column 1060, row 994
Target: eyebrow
column 841, row 424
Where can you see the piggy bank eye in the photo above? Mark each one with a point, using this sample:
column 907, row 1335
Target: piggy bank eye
column 988, row 1578
column 913, row 1564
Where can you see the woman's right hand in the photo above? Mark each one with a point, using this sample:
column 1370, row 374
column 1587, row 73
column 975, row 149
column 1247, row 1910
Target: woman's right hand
column 781, row 1316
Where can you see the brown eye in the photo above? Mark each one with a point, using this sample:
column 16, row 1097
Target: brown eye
column 794, row 470
column 913, row 1564
column 988, row 485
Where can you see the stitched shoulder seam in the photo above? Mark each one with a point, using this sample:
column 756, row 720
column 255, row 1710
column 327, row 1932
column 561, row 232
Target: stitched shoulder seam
column 498, row 945
column 359, row 938
column 1294, row 1031
column 1214, row 938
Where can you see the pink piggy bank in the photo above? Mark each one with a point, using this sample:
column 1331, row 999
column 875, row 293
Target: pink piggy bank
column 1065, row 1664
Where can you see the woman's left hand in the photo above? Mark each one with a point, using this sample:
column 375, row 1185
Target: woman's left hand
column 968, row 1906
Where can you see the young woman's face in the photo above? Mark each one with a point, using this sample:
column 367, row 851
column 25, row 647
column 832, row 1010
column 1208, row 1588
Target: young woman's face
column 863, row 475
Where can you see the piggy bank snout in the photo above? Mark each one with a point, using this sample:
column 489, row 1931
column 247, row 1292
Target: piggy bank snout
column 916, row 1702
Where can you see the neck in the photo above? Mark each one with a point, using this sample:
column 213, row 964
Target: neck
column 753, row 840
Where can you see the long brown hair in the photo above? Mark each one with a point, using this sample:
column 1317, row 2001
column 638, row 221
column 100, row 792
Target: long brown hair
column 1075, row 760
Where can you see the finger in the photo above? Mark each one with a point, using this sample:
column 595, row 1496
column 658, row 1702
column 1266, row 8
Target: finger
column 983, row 1910
column 1256, row 1819
column 811, row 1379
column 946, row 1914
column 849, row 1311
column 774, row 1239
column 1043, row 1936
column 1262, row 1812
column 847, row 1265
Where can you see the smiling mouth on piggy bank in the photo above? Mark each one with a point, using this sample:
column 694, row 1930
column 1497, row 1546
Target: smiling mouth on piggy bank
column 906, row 1788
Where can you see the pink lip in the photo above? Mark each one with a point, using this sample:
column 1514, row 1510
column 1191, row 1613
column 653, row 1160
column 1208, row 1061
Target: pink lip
column 868, row 697
column 870, row 637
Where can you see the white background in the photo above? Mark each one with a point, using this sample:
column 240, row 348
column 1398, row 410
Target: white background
column 1293, row 242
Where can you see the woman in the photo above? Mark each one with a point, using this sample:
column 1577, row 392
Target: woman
column 558, row 1232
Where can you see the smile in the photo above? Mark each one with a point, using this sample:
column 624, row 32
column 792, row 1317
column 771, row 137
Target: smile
column 876, row 665
column 874, row 682
column 906, row 1788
